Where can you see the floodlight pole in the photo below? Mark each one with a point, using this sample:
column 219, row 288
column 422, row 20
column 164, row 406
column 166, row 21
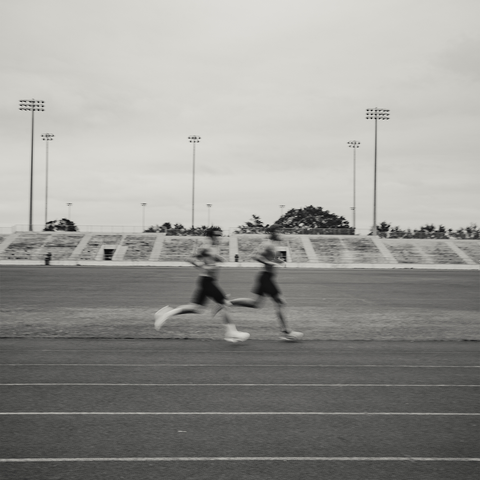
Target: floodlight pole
column 69, row 205
column 376, row 114
column 209, row 205
column 31, row 106
column 143, row 204
column 47, row 137
column 281, row 210
column 193, row 139
column 354, row 144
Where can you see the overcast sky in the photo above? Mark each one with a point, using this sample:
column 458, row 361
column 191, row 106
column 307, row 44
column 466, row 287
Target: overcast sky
column 274, row 88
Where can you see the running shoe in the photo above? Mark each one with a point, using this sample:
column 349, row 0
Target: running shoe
column 161, row 316
column 292, row 336
column 236, row 337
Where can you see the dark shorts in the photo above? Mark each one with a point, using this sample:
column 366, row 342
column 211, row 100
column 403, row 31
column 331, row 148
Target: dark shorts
column 207, row 288
column 265, row 285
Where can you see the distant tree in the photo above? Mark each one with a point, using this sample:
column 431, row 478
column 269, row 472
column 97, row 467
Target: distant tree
column 298, row 218
column 397, row 232
column 254, row 225
column 64, row 225
column 383, row 229
column 311, row 217
column 178, row 229
column 472, row 232
column 159, row 228
column 428, row 228
column 430, row 231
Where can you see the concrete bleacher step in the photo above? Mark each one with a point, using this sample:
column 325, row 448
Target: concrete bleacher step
column 120, row 250
column 387, row 255
column 299, row 249
column 408, row 252
column 296, row 249
column 7, row 241
column 247, row 245
column 95, row 247
column 75, row 256
column 139, row 247
column 25, row 245
column 426, row 252
column 349, row 250
column 177, row 249
column 157, row 247
column 468, row 250
column 60, row 245
column 307, row 245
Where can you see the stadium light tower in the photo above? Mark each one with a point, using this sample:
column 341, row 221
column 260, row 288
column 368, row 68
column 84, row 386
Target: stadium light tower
column 209, row 205
column 281, row 210
column 47, row 137
column 193, row 139
column 143, row 204
column 32, row 106
column 376, row 114
column 354, row 144
column 69, row 205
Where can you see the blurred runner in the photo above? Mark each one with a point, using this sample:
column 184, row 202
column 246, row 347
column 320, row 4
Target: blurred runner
column 265, row 285
column 206, row 261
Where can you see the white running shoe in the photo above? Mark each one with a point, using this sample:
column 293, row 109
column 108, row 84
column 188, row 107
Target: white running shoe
column 161, row 317
column 236, row 337
column 292, row 336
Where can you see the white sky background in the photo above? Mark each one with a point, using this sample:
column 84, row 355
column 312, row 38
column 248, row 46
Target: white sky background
column 274, row 88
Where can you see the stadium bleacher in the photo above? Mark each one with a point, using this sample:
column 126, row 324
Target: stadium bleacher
column 470, row 248
column 139, row 247
column 298, row 250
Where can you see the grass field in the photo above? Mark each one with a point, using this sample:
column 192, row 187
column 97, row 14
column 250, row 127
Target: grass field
column 96, row 302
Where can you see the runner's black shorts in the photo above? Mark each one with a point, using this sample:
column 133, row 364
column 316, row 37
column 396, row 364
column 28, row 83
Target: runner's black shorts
column 207, row 288
column 266, row 286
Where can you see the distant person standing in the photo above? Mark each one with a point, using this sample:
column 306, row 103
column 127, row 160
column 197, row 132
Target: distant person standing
column 206, row 261
column 266, row 285
column 48, row 258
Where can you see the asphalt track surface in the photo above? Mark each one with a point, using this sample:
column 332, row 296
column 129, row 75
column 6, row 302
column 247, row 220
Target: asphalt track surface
column 145, row 409
column 180, row 409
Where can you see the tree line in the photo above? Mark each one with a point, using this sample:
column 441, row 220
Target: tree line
column 305, row 220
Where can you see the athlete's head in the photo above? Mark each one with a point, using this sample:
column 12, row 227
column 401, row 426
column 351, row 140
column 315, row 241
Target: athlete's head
column 214, row 233
column 273, row 231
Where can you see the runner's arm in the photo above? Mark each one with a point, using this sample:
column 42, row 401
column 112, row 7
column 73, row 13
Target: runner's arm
column 259, row 256
column 195, row 261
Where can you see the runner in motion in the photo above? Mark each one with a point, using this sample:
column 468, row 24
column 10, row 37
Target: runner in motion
column 206, row 261
column 266, row 285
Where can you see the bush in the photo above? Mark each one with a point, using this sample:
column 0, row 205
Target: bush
column 471, row 232
column 63, row 225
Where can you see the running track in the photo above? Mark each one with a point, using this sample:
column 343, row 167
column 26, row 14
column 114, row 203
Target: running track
column 172, row 409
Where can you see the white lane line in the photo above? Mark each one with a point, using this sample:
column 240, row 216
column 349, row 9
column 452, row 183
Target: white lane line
column 440, row 414
column 245, row 459
column 223, row 365
column 355, row 385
